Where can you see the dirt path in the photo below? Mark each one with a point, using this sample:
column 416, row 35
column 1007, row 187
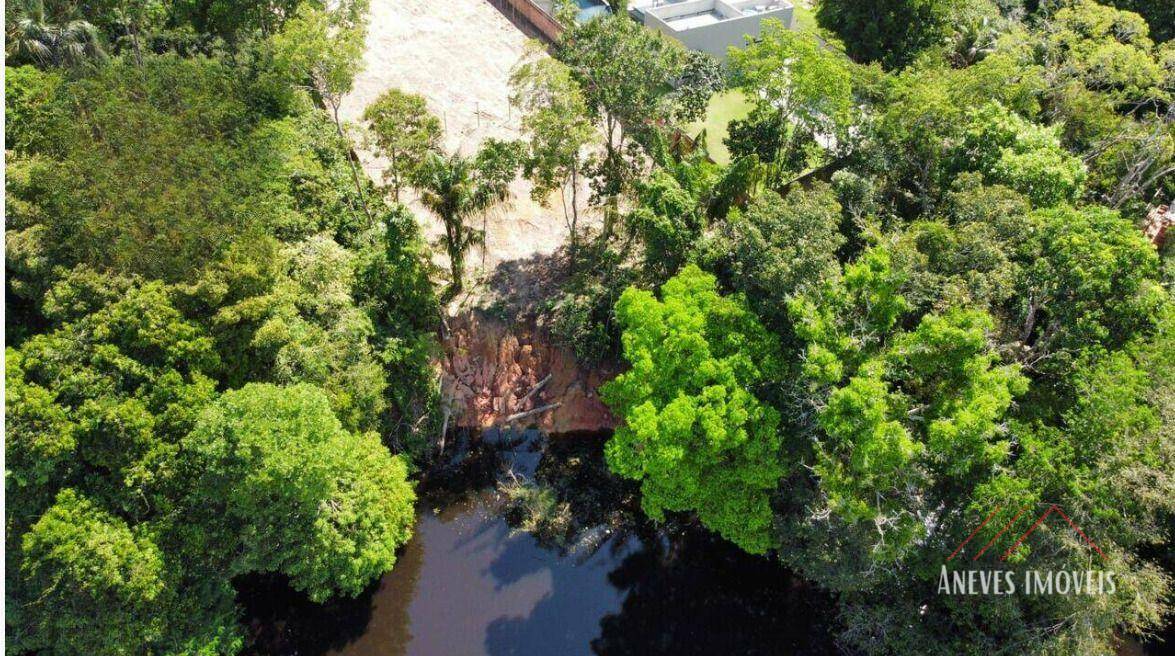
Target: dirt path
column 458, row 54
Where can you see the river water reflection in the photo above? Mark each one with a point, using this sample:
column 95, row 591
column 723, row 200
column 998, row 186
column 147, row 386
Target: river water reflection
column 470, row 584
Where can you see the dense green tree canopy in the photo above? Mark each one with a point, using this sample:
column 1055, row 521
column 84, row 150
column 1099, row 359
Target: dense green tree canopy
column 1095, row 282
column 779, row 246
column 101, row 581
column 1159, row 15
column 893, row 32
column 1014, row 152
column 922, row 407
column 95, row 413
column 183, row 222
column 970, row 317
column 295, row 492
column 686, row 404
column 919, row 291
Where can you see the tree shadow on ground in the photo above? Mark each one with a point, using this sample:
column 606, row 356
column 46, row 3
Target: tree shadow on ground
column 519, row 290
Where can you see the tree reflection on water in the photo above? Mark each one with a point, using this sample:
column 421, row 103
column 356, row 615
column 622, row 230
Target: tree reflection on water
column 471, row 583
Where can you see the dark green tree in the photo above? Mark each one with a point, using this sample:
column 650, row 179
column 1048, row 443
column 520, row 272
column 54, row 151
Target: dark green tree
column 778, row 247
column 892, row 32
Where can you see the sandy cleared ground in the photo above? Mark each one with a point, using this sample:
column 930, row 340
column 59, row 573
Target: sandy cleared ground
column 458, row 54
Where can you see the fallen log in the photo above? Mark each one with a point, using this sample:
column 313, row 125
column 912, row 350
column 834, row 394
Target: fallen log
column 523, row 415
column 534, row 390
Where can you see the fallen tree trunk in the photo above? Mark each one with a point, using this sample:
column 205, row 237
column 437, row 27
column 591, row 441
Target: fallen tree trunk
column 534, row 390
column 539, row 410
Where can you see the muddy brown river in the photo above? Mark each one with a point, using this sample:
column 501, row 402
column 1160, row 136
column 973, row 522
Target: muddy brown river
column 470, row 584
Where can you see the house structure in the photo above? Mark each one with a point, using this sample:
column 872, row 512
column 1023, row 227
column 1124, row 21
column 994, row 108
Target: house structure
column 711, row 26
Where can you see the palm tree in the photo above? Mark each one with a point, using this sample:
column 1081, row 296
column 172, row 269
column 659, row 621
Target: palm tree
column 448, row 188
column 973, row 39
column 32, row 37
column 456, row 187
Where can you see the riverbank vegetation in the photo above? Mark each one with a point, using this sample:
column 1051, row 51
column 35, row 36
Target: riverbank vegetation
column 921, row 297
column 218, row 333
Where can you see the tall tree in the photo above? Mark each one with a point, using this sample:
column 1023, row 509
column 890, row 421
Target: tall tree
column 324, row 49
column 95, row 410
column 627, row 74
column 296, row 321
column 405, row 131
column 1158, row 14
column 496, row 164
column 778, row 247
column 1095, row 286
column 556, row 122
column 1029, row 158
column 100, row 582
column 456, row 187
column 800, row 87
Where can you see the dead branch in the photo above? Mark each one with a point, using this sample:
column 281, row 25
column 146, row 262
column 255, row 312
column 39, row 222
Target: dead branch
column 523, row 415
column 534, row 390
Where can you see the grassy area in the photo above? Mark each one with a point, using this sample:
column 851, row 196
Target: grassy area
column 805, row 19
column 733, row 104
column 722, row 109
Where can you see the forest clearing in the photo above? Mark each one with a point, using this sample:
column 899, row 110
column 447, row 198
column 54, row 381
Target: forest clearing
column 458, row 55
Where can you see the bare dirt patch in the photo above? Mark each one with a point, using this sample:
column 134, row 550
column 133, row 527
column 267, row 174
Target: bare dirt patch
column 458, row 54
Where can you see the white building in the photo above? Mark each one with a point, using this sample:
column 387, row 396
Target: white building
column 711, row 25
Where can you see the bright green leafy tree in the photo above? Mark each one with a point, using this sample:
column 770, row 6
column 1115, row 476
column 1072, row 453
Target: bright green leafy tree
column 799, row 86
column 694, row 434
column 100, row 581
column 279, row 485
column 95, row 413
column 1012, row 151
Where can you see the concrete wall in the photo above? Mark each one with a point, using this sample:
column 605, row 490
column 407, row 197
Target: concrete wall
column 715, row 38
column 547, row 25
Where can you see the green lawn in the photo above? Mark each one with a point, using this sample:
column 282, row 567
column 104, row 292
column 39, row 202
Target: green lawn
column 733, row 104
column 722, row 109
column 805, row 19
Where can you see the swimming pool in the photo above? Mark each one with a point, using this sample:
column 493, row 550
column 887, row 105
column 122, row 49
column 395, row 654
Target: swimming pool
column 589, row 9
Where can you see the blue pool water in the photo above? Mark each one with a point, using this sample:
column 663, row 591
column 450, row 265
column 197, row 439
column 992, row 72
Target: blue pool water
column 589, row 9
